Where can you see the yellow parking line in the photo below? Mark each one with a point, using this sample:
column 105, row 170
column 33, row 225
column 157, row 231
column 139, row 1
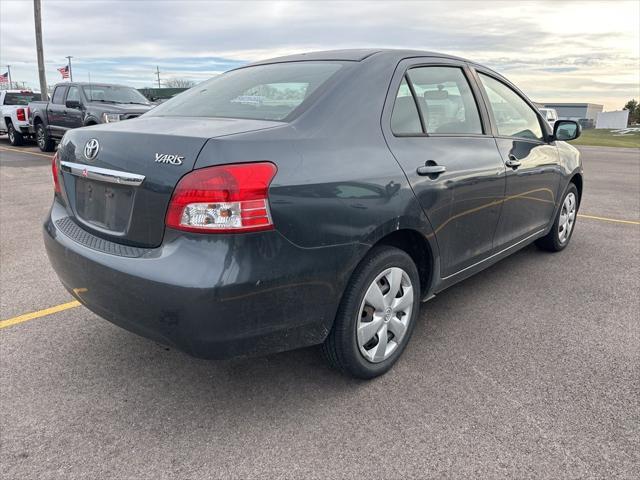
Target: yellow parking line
column 606, row 219
column 66, row 306
column 40, row 313
column 25, row 151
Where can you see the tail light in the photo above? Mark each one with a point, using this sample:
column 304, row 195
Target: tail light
column 54, row 172
column 225, row 198
column 21, row 114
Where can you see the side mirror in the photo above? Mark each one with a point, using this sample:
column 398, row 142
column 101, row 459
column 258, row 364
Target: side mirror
column 73, row 104
column 566, row 130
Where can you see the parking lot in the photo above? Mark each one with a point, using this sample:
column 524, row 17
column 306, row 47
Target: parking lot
column 529, row 369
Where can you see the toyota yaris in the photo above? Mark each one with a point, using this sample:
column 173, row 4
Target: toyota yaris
column 311, row 199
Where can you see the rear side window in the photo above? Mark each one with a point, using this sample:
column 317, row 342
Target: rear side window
column 262, row 92
column 513, row 116
column 22, row 98
column 446, row 100
column 405, row 119
column 58, row 95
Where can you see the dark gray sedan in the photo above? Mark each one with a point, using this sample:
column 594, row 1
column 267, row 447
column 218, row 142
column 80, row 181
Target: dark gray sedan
column 311, row 199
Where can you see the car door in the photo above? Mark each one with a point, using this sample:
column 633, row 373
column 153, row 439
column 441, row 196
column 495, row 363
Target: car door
column 533, row 163
column 73, row 117
column 56, row 111
column 440, row 137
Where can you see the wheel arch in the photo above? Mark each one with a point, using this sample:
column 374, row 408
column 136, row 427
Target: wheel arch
column 418, row 248
column 576, row 179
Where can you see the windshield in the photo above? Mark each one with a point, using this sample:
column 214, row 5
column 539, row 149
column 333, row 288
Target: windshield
column 263, row 92
column 113, row 94
column 20, row 98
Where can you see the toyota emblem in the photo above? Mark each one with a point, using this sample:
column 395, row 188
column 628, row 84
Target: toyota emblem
column 91, row 149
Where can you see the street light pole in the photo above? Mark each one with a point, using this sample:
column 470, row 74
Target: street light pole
column 70, row 71
column 9, row 75
column 37, row 17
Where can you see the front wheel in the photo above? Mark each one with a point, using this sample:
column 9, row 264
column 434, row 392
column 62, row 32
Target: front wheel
column 15, row 137
column 45, row 142
column 560, row 234
column 376, row 316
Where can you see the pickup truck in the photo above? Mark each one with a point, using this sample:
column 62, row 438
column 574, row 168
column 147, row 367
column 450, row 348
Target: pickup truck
column 14, row 118
column 79, row 104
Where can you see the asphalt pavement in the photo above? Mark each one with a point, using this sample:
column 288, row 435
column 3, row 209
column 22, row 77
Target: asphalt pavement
column 530, row 369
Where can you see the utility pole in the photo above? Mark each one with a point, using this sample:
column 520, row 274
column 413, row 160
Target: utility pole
column 70, row 71
column 37, row 17
column 9, row 74
column 158, row 75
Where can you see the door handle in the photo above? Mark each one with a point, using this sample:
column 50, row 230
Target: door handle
column 513, row 162
column 432, row 169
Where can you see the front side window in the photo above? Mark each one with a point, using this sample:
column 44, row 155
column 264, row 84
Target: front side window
column 513, row 116
column 58, row 95
column 405, row 119
column 261, row 92
column 74, row 94
column 446, row 100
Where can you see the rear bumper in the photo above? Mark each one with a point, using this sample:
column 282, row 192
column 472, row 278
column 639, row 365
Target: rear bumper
column 213, row 296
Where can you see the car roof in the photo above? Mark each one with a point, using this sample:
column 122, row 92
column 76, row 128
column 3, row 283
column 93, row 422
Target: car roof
column 355, row 55
column 90, row 84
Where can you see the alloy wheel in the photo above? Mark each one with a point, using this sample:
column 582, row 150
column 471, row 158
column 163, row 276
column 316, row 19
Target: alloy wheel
column 40, row 136
column 384, row 314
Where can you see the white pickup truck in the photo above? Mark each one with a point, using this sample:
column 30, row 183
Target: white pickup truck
column 14, row 120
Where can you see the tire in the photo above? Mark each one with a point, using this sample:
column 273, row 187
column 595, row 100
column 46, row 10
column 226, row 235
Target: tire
column 564, row 224
column 357, row 355
column 45, row 142
column 15, row 137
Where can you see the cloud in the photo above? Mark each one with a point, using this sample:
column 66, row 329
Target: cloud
column 549, row 48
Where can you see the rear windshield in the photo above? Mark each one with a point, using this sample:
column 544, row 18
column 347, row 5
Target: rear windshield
column 20, row 98
column 263, row 92
column 114, row 94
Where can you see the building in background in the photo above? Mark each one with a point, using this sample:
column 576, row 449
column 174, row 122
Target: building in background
column 585, row 113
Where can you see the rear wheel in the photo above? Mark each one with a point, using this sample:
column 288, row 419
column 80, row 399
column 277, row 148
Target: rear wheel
column 15, row 137
column 376, row 316
column 45, row 142
column 560, row 234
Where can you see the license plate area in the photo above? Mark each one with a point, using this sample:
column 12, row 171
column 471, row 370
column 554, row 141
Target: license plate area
column 106, row 206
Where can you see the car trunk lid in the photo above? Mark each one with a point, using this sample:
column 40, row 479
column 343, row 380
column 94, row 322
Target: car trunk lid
column 118, row 178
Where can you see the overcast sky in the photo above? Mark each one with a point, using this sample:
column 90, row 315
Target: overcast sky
column 586, row 51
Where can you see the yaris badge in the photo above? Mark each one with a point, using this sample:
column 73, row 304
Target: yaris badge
column 91, row 149
column 166, row 158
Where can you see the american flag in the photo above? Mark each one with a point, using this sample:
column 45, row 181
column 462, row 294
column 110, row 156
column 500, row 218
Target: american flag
column 64, row 71
column 4, row 78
